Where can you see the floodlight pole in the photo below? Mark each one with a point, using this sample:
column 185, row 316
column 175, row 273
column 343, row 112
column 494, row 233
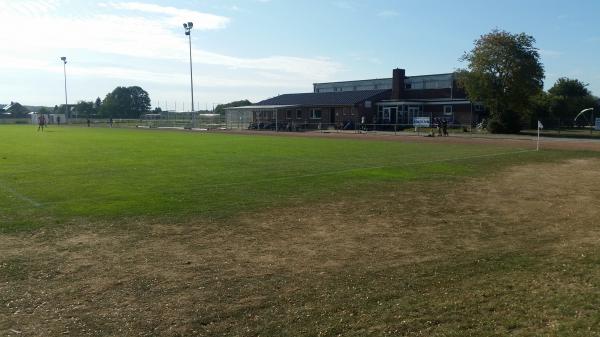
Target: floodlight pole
column 64, row 59
column 188, row 31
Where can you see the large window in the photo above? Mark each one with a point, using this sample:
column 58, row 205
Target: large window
column 315, row 114
column 288, row 114
column 447, row 110
column 298, row 114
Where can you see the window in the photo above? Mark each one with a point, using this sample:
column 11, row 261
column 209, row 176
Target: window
column 447, row 110
column 408, row 86
column 315, row 114
column 289, row 114
column 386, row 114
column 298, row 114
column 478, row 107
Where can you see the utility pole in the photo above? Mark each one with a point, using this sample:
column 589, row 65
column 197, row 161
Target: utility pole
column 64, row 59
column 188, row 31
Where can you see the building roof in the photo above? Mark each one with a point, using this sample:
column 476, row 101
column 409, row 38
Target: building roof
column 264, row 107
column 324, row 98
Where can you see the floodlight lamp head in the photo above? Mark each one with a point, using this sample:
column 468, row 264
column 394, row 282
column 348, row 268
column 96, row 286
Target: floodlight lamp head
column 190, row 24
column 185, row 25
column 64, row 59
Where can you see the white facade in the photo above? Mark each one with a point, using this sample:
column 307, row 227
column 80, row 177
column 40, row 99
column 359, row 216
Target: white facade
column 374, row 84
column 440, row 81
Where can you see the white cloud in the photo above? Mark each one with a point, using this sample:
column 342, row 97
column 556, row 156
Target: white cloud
column 174, row 16
column 550, row 53
column 138, row 43
column 388, row 13
column 136, row 30
column 345, row 5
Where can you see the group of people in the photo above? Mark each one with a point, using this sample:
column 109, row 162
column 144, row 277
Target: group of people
column 441, row 124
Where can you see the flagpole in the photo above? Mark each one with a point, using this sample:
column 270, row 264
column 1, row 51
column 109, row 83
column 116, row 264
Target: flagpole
column 539, row 125
column 538, row 139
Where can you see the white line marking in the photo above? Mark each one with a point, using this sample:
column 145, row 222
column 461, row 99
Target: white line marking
column 20, row 196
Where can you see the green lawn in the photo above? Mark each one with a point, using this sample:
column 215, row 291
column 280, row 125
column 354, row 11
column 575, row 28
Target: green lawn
column 116, row 232
column 97, row 173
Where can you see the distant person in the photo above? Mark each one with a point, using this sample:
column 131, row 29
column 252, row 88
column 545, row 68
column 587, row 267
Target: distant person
column 58, row 120
column 445, row 127
column 110, row 122
column 439, row 127
column 41, row 122
column 88, row 122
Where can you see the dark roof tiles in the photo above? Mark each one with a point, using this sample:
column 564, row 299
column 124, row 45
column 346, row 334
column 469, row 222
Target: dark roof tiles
column 325, row 98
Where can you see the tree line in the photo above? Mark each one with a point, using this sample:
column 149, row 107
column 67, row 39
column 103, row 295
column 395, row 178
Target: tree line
column 122, row 102
column 505, row 73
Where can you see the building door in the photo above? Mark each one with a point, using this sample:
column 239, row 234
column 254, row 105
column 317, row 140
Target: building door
column 385, row 117
column 394, row 115
column 413, row 112
column 332, row 116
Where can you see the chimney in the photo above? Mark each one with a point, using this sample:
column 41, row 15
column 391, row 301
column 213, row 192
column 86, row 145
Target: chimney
column 398, row 83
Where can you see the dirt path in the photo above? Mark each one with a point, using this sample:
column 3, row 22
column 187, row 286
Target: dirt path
column 504, row 140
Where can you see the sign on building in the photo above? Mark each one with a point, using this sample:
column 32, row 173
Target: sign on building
column 421, row 121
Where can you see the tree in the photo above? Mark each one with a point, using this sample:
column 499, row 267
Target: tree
column 17, row 110
column 220, row 109
column 568, row 98
column 44, row 111
column 97, row 104
column 125, row 102
column 504, row 72
column 84, row 109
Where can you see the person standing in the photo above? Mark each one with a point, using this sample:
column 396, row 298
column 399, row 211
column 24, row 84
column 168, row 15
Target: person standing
column 110, row 121
column 88, row 122
column 445, row 127
column 41, row 122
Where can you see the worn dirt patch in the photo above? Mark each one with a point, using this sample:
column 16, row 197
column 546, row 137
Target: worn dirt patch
column 315, row 268
column 499, row 140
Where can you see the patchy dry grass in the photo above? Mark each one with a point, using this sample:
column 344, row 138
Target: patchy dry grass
column 513, row 253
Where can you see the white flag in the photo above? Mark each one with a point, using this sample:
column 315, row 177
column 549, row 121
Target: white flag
column 540, row 125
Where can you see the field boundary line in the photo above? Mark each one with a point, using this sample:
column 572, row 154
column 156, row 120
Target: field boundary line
column 20, row 196
column 312, row 175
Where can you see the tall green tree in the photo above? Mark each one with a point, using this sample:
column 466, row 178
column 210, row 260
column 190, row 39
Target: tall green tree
column 220, row 109
column 568, row 98
column 17, row 110
column 97, row 105
column 84, row 109
column 504, row 72
column 125, row 102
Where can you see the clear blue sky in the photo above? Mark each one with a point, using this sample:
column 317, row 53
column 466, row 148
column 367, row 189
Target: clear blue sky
column 257, row 49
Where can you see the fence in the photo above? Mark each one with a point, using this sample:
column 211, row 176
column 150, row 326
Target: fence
column 558, row 128
column 351, row 127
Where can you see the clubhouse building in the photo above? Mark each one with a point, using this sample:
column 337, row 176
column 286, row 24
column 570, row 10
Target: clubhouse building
column 382, row 103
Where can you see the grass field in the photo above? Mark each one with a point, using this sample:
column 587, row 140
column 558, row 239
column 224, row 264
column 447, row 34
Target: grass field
column 136, row 232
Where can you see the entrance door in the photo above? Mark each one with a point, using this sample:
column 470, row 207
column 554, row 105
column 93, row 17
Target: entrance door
column 385, row 118
column 413, row 112
column 332, row 116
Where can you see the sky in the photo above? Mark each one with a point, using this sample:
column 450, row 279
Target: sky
column 257, row 49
